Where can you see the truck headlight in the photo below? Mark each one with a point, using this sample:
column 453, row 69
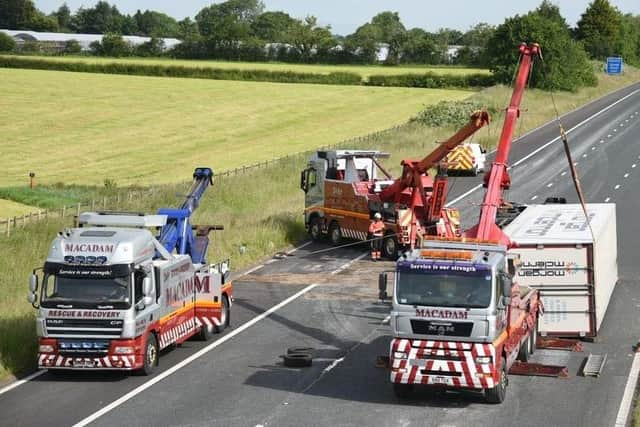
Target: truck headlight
column 398, row 355
column 45, row 348
column 483, row 360
column 123, row 350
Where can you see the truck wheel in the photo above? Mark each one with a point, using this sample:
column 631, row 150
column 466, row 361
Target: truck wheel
column 150, row 355
column 474, row 171
column 335, row 235
column 534, row 337
column 390, row 247
column 498, row 393
column 525, row 350
column 315, row 229
column 402, row 391
column 204, row 334
column 224, row 316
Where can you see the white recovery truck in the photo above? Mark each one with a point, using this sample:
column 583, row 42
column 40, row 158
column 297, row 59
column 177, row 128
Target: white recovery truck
column 110, row 295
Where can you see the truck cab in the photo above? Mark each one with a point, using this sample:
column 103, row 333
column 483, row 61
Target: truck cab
column 458, row 319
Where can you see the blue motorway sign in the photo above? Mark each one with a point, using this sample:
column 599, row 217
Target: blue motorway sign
column 614, row 65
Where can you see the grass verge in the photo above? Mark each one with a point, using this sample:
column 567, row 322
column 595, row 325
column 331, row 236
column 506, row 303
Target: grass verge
column 261, row 210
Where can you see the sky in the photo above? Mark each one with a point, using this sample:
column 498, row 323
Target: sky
column 344, row 16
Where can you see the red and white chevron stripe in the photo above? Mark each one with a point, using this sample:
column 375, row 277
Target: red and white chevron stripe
column 173, row 334
column 49, row 361
column 209, row 322
column 448, row 363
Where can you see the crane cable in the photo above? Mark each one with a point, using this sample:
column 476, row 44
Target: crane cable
column 572, row 167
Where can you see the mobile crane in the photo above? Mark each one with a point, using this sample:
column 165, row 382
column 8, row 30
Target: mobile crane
column 343, row 192
column 111, row 295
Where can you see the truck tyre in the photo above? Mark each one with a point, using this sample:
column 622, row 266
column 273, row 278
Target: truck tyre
column 498, row 393
column 297, row 360
column 204, row 334
column 390, row 247
column 224, row 316
column 525, row 350
column 150, row 355
column 335, row 235
column 315, row 229
column 474, row 171
column 534, row 336
column 402, row 391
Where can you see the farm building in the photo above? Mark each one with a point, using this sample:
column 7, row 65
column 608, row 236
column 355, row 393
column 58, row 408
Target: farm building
column 57, row 41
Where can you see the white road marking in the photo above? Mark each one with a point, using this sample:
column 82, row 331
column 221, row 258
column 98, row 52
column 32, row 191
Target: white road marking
column 534, row 197
column 626, row 175
column 607, row 200
column 91, row 418
column 593, row 148
column 615, row 130
column 22, row 381
column 549, row 185
column 254, row 269
column 386, row 320
column 609, row 136
column 347, row 265
column 602, row 141
column 333, row 365
column 557, row 138
column 621, row 124
column 616, row 187
column 626, row 120
column 563, row 173
column 627, row 397
column 633, row 166
column 299, row 247
column 584, row 155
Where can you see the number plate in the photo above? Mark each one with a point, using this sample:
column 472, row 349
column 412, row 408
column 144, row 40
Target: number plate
column 83, row 363
column 440, row 380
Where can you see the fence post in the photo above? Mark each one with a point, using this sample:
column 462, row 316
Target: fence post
column 64, row 211
column 93, row 205
column 8, row 227
column 104, row 203
column 78, row 211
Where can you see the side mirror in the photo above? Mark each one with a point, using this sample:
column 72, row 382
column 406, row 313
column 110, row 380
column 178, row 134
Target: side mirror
column 382, row 286
column 33, row 283
column 31, row 298
column 147, row 300
column 303, row 181
column 147, row 287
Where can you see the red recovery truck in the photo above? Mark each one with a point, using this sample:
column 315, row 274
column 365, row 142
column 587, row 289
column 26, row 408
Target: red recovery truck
column 459, row 319
column 343, row 192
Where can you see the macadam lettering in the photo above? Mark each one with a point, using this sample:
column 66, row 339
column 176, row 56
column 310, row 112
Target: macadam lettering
column 442, row 314
column 188, row 287
column 88, row 247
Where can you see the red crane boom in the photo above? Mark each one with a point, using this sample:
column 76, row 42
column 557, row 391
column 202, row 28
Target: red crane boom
column 497, row 180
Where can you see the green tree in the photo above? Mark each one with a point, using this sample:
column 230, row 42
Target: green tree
column 23, row 15
column 63, row 17
column 72, row 47
column 599, row 29
column 628, row 41
column 565, row 65
column 111, row 45
column 154, row 47
column 150, row 23
column 392, row 32
column 228, row 23
column 7, row 44
column 187, row 30
column 272, row 27
column 418, row 47
column 364, row 42
column 307, row 37
column 475, row 41
column 100, row 19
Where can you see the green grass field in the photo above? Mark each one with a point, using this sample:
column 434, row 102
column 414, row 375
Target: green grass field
column 85, row 128
column 364, row 70
column 9, row 209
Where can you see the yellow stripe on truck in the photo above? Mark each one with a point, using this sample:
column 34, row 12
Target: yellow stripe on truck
column 338, row 212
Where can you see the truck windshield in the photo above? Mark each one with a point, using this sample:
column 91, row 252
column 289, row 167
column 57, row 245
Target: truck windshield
column 444, row 290
column 111, row 292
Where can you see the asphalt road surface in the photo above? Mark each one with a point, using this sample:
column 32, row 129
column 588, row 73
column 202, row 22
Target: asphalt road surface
column 331, row 306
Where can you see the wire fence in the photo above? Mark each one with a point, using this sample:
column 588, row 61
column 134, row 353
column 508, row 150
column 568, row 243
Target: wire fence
column 16, row 223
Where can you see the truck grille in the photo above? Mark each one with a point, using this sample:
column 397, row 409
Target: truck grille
column 60, row 328
column 442, row 328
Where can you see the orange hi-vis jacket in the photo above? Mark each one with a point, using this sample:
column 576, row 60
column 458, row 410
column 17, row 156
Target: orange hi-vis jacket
column 376, row 228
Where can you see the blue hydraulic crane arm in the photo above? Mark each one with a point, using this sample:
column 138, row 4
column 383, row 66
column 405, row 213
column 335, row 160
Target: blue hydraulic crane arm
column 177, row 233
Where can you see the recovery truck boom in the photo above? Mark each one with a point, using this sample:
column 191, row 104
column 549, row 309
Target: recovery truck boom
column 342, row 192
column 111, row 295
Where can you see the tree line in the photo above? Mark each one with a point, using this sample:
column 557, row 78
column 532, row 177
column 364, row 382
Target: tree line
column 243, row 30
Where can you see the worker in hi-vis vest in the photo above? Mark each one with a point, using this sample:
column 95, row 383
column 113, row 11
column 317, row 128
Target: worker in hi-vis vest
column 376, row 232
